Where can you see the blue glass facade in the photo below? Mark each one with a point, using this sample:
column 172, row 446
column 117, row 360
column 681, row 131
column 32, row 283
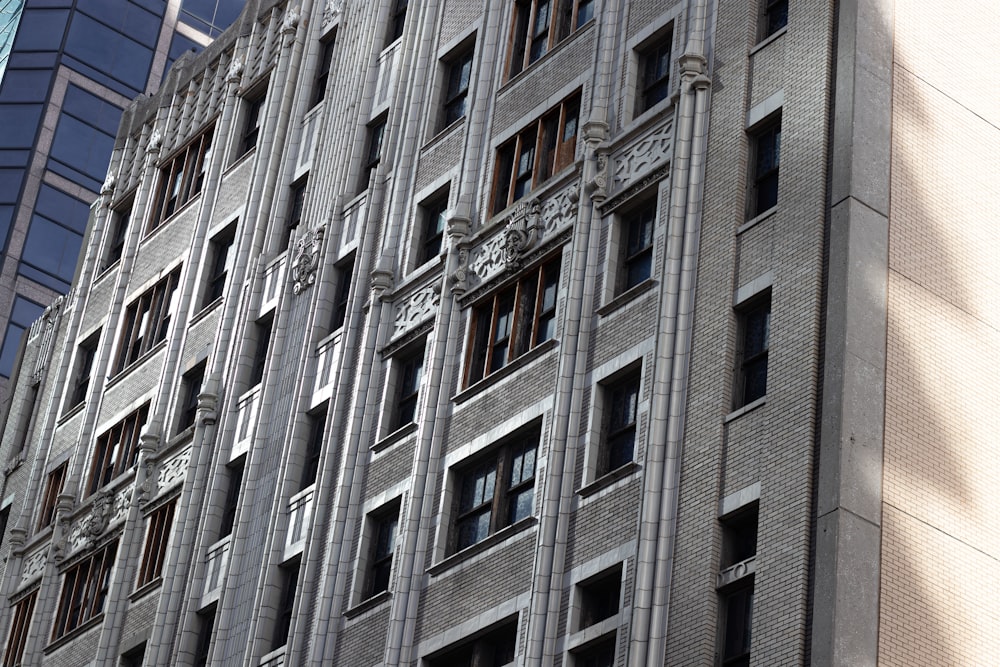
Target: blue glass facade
column 45, row 197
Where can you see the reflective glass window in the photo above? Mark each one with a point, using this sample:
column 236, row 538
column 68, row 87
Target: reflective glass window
column 109, row 51
column 19, row 123
column 41, row 30
column 83, row 148
column 52, row 250
column 23, row 313
column 25, row 85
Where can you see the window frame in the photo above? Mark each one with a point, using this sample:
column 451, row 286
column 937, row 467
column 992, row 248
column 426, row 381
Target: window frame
column 481, row 648
column 383, row 531
column 652, row 85
column 191, row 384
column 529, row 42
column 253, row 120
column 536, row 153
column 116, row 450
column 220, row 247
column 505, row 465
column 325, row 65
column 455, row 91
column 114, row 245
column 506, row 308
column 17, row 639
column 374, row 144
column 627, row 386
column 181, row 178
column 206, row 628
column 773, row 17
column 407, row 376
column 154, row 551
column 396, row 21
column 54, row 483
column 146, row 321
column 263, row 328
column 83, row 371
column 344, row 276
column 231, row 503
column 765, row 142
column 636, row 262
column 757, row 359
column 314, row 446
column 289, row 573
column 85, row 590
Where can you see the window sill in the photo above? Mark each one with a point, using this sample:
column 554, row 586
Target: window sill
column 756, row 220
column 205, row 311
column 394, row 437
column 759, row 46
column 593, row 633
column 123, row 373
column 145, row 589
column 74, row 633
column 107, row 270
column 69, row 414
column 371, row 603
column 548, row 55
column 487, row 544
column 495, row 377
column 608, row 479
column 628, row 295
column 443, row 134
column 150, row 232
column 739, row 412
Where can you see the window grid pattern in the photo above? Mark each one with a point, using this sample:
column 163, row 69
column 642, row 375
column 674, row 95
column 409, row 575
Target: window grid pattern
column 408, row 388
column 457, row 90
column 622, row 416
column 221, row 246
column 84, row 591
column 536, row 153
column 84, row 366
column 147, row 320
column 541, row 24
column 637, row 263
column 53, row 487
column 767, row 159
column 155, row 551
column 513, row 321
column 384, row 532
column 117, row 450
column 251, row 125
column 181, row 179
column 655, row 74
column 496, row 491
column 18, row 638
column 433, row 214
column 756, row 322
column 191, row 384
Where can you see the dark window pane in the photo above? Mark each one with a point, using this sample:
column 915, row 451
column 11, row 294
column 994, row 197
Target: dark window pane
column 82, row 147
column 109, row 51
column 19, row 123
column 62, row 208
column 51, row 248
column 41, row 30
column 25, row 85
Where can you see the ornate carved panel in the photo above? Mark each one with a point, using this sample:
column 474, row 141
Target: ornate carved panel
column 644, row 154
column 173, row 470
column 33, row 566
column 418, row 307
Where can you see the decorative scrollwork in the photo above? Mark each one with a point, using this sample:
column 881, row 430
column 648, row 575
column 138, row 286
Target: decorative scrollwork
column 306, row 260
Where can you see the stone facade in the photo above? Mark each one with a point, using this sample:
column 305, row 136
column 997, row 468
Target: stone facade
column 599, row 407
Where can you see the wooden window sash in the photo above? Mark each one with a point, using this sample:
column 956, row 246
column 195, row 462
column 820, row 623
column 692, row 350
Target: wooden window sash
column 53, row 487
column 155, row 549
column 24, row 609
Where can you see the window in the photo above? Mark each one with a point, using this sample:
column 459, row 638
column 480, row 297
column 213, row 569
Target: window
column 397, row 21
column 53, row 487
column 147, row 320
column 408, row 371
column 117, row 450
column 283, row 623
column 343, row 273
column 495, row 647
column 536, row 153
column 190, row 388
column 457, row 89
column 600, row 597
column 134, row 657
column 774, row 16
column 541, row 24
column 738, row 610
column 323, row 70
column 654, row 73
column 597, row 654
column 296, row 205
column 621, row 403
column 181, row 178
column 155, row 551
column 514, row 320
column 314, row 448
column 739, row 544
column 228, row 519
column 84, row 364
column 262, row 335
column 84, row 590
column 251, row 123
column 637, row 245
column 766, row 159
column 496, row 490
column 120, row 218
column 432, row 223
column 18, row 638
column 384, row 527
column 755, row 325
column 220, row 251
column 206, row 624
column 376, row 132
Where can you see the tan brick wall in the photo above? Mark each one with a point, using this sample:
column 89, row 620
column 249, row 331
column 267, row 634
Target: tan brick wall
column 940, row 548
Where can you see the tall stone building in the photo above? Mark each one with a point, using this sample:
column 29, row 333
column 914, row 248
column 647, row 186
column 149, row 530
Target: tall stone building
column 67, row 70
column 581, row 333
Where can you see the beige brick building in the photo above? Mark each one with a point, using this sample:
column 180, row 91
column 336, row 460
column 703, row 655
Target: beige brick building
column 575, row 333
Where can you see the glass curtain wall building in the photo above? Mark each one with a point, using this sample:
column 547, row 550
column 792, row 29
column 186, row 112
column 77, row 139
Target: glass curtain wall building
column 68, row 69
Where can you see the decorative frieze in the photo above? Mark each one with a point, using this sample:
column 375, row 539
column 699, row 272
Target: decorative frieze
column 33, row 565
column 643, row 155
column 415, row 309
column 173, row 470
